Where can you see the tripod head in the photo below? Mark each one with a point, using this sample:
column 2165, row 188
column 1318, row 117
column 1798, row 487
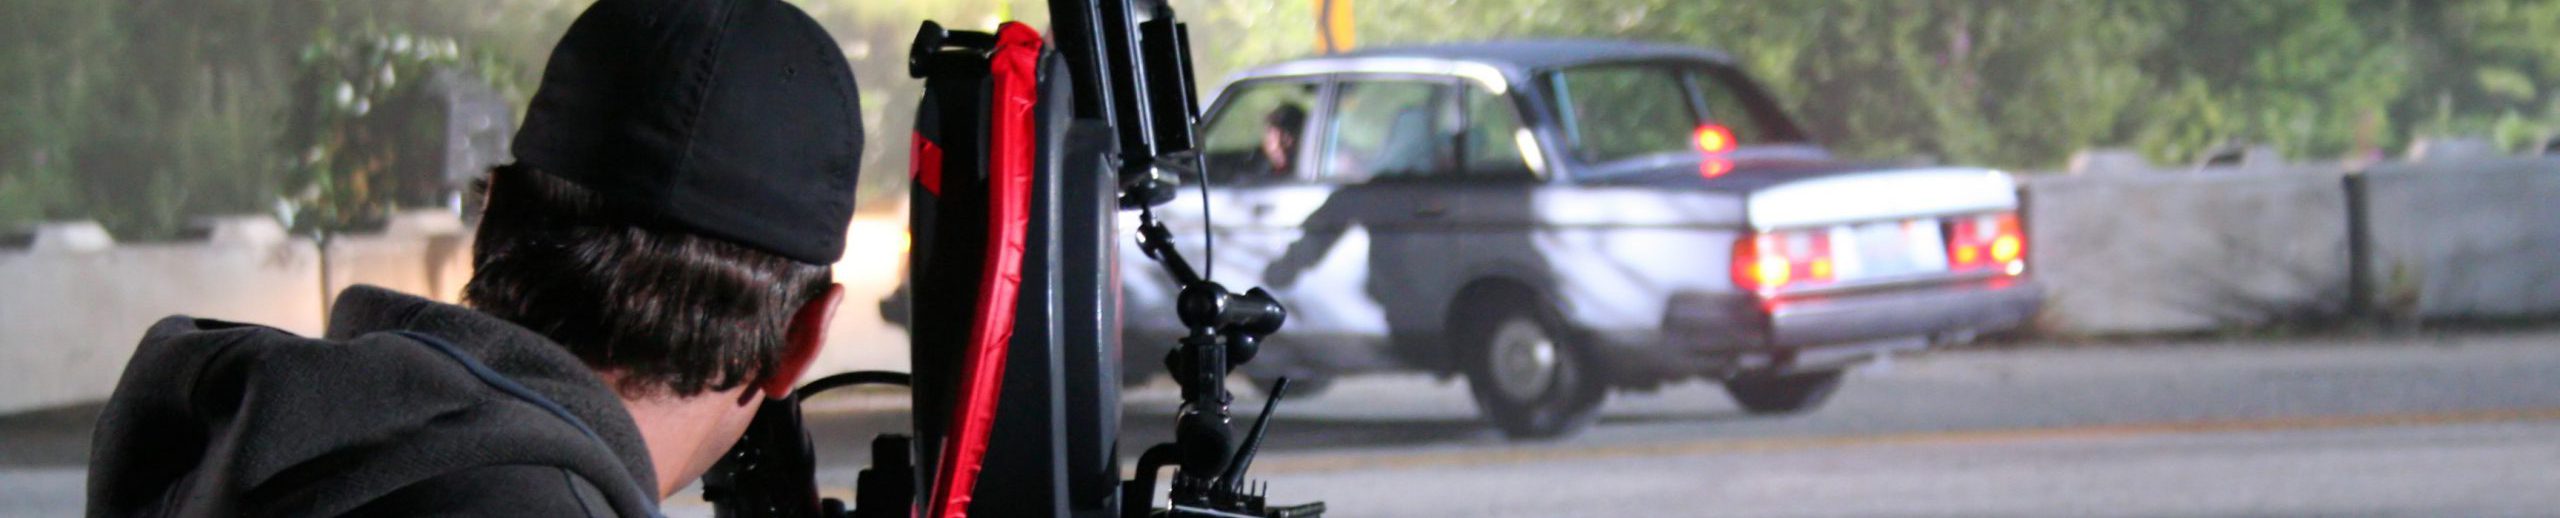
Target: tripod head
column 1226, row 331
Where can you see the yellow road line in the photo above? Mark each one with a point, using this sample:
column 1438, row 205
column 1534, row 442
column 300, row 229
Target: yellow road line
column 1526, row 454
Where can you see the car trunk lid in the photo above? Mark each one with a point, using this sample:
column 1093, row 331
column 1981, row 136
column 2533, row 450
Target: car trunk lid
column 1852, row 229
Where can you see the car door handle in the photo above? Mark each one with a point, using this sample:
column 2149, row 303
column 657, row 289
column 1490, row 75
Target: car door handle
column 1432, row 210
column 1261, row 210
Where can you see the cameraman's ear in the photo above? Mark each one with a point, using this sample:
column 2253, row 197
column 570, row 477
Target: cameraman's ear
column 800, row 345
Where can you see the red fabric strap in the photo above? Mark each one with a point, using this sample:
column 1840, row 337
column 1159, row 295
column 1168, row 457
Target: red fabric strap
column 1014, row 70
column 924, row 164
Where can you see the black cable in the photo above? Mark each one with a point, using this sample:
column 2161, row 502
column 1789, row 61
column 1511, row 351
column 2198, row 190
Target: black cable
column 1208, row 227
column 847, row 379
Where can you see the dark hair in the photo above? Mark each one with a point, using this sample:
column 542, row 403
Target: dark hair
column 1288, row 117
column 669, row 309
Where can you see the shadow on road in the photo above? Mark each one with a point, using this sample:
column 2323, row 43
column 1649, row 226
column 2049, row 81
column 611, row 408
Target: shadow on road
column 1295, row 433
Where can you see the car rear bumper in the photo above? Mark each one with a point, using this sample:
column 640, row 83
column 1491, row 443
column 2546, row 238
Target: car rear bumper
column 1977, row 307
column 1722, row 335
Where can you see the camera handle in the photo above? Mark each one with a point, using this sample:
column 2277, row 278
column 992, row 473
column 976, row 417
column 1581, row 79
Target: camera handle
column 771, row 471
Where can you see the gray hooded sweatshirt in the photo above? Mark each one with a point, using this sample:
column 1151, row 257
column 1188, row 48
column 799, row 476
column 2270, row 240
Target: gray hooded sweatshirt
column 408, row 407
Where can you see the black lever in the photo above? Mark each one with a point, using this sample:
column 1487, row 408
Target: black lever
column 1233, row 479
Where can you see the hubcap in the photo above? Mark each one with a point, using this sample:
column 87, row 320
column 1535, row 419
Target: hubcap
column 1524, row 361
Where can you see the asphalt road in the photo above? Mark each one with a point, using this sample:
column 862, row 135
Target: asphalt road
column 2464, row 424
column 2439, row 426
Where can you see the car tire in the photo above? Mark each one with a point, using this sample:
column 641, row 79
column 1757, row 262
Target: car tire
column 1784, row 394
column 1528, row 383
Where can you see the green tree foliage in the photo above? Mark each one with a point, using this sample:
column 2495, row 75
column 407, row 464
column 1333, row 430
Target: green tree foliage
column 47, row 100
column 146, row 113
column 364, row 123
column 2024, row 83
column 139, row 114
column 2484, row 67
column 2311, row 78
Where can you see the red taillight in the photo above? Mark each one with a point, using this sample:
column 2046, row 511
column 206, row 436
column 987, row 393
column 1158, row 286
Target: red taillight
column 1714, row 167
column 1715, row 138
column 1987, row 242
column 1766, row 262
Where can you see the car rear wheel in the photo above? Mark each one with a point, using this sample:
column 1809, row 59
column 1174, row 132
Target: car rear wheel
column 1531, row 385
column 1784, row 394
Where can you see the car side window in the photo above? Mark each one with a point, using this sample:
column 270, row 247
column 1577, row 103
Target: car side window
column 1621, row 111
column 1738, row 106
column 1491, row 143
column 1258, row 135
column 1388, row 129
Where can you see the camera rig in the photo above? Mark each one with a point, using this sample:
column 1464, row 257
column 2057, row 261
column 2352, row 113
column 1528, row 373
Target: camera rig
column 1026, row 150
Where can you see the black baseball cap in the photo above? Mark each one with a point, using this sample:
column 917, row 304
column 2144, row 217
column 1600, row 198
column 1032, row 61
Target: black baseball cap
column 736, row 120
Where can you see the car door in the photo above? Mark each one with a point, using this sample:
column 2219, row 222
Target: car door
column 1500, row 172
column 1244, row 175
column 1260, row 144
column 1363, row 248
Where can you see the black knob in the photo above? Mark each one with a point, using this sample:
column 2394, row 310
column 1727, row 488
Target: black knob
column 1241, row 348
column 1203, row 304
column 1256, row 313
column 919, row 55
column 1206, row 442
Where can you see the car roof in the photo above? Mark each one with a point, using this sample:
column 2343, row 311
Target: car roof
column 1517, row 57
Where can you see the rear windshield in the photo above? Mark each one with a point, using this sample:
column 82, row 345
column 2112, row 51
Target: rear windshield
column 1619, row 111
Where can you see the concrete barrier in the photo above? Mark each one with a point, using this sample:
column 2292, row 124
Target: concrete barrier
column 2465, row 239
column 2163, row 250
column 76, row 302
column 70, row 318
column 2186, row 250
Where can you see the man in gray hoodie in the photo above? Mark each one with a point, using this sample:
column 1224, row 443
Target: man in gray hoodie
column 653, row 264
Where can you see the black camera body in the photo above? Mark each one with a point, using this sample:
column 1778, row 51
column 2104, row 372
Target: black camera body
column 1026, row 150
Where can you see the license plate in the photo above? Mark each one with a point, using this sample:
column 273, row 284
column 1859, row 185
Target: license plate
column 1887, row 249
